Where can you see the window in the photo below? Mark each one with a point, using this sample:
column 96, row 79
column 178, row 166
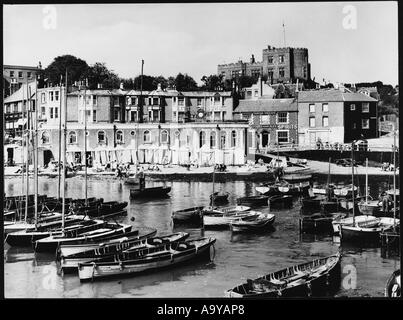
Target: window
column 19, row 74
column 270, row 59
column 72, row 137
column 249, row 94
column 94, row 116
column 29, row 75
column 43, row 112
column 365, row 123
column 51, row 113
column 45, row 137
column 11, row 74
column 255, row 73
column 199, row 101
column 213, row 138
column 101, row 137
column 352, row 107
column 312, row 122
column 119, row 136
column 133, row 116
column 256, row 93
column 222, row 140
column 216, row 99
column 202, row 137
column 233, row 139
column 94, row 100
column 325, row 107
column 147, row 136
column 43, row 97
column 56, row 113
column 181, row 101
column 281, row 72
column 282, row 117
column 155, row 101
column 281, row 59
column 325, row 121
column 116, row 101
column 365, row 107
column 57, row 95
column 265, row 118
column 270, row 74
column 51, row 95
column 164, row 136
column 354, row 125
column 312, row 108
column 116, row 114
column 132, row 133
column 8, row 109
column 304, row 72
column 282, row 136
column 16, row 107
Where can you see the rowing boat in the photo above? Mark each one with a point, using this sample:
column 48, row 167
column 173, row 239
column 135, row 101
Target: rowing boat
column 261, row 222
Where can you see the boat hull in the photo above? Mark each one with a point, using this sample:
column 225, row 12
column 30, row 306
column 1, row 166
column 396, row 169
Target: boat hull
column 156, row 192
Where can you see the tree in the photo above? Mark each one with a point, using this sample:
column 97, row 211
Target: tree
column 100, row 74
column 76, row 68
column 184, row 82
column 282, row 92
column 160, row 80
column 213, row 82
column 245, row 81
column 148, row 84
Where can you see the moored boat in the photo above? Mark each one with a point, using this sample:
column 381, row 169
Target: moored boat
column 319, row 222
column 219, row 198
column 315, row 278
column 393, row 285
column 170, row 255
column 260, row 222
column 253, row 201
column 153, row 192
column 189, row 215
column 280, row 201
column 224, row 220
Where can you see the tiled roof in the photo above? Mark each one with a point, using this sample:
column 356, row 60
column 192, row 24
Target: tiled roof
column 21, row 93
column 96, row 92
column 332, row 95
column 266, row 105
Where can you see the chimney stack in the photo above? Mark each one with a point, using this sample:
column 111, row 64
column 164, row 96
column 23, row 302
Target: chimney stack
column 159, row 87
column 121, row 86
column 99, row 86
column 252, row 59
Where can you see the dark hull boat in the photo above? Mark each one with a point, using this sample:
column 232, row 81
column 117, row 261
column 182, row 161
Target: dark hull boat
column 150, row 260
column 104, row 250
column 156, row 192
column 253, row 201
column 393, row 286
column 284, row 201
column 219, row 198
column 103, row 209
column 190, row 215
column 318, row 222
column 316, row 278
column 312, row 204
column 84, row 234
column 390, row 238
column 260, row 223
column 330, row 206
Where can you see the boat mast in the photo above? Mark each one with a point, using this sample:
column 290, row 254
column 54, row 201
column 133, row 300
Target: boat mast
column 64, row 156
column 27, row 162
column 352, row 177
column 394, row 179
column 60, row 140
column 213, row 196
column 36, row 153
column 328, row 181
column 85, row 141
column 366, row 181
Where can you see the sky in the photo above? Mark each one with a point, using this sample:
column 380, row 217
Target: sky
column 348, row 42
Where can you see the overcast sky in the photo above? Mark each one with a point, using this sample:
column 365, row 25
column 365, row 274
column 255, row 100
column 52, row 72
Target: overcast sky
column 194, row 38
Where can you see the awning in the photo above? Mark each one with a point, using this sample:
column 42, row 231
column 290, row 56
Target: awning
column 21, row 122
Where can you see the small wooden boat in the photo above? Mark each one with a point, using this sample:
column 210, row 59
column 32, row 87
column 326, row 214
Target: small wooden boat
column 190, row 215
column 84, row 234
column 219, row 198
column 369, row 207
column 364, row 219
column 393, row 285
column 132, row 181
column 155, row 192
column 149, row 259
column 253, row 201
column 366, row 232
column 390, row 238
column 261, row 222
column 268, row 189
column 319, row 222
column 70, row 262
column 284, row 201
column 315, row 278
column 224, row 220
column 224, row 210
column 345, row 192
column 312, row 204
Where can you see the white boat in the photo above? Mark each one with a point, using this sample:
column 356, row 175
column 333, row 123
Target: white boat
column 224, row 210
column 224, row 220
column 260, row 222
column 367, row 231
column 363, row 219
column 369, row 207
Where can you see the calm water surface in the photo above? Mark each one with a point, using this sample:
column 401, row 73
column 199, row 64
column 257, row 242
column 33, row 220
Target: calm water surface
column 237, row 257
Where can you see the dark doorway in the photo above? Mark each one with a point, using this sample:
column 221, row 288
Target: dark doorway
column 47, row 156
column 88, row 158
column 265, row 138
column 10, row 156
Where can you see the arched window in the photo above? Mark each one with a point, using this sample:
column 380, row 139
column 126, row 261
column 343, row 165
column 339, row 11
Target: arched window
column 222, row 140
column 119, row 136
column 45, row 137
column 233, row 139
column 72, row 137
column 164, row 136
column 147, row 136
column 202, row 137
column 213, row 138
column 101, row 137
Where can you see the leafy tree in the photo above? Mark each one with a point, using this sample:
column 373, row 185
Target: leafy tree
column 245, row 81
column 100, row 74
column 160, row 80
column 148, row 84
column 213, row 82
column 76, row 68
column 184, row 82
column 171, row 82
column 282, row 92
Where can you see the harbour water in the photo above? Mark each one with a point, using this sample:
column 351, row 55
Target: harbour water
column 237, row 256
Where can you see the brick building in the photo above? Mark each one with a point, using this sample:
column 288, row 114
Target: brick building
column 335, row 116
column 278, row 65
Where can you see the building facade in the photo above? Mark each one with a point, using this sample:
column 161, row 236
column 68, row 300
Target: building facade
column 15, row 76
column 334, row 116
column 284, row 65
